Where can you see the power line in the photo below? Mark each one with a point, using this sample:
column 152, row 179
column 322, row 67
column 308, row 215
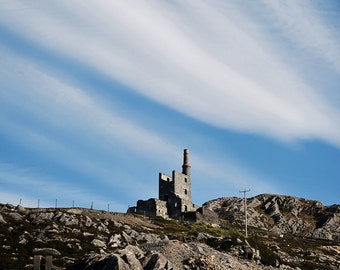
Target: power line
column 245, row 209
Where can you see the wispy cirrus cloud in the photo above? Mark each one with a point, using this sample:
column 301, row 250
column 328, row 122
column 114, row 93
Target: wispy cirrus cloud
column 221, row 65
column 148, row 49
column 216, row 177
column 51, row 103
column 303, row 25
column 77, row 131
column 29, row 186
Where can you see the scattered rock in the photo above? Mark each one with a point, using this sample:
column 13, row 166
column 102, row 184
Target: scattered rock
column 2, row 219
column 88, row 221
column 127, row 238
column 98, row 243
column 47, row 251
column 40, row 217
column 16, row 216
column 75, row 211
column 23, row 241
column 20, row 208
column 132, row 256
column 67, row 219
column 99, row 262
column 158, row 262
column 116, row 241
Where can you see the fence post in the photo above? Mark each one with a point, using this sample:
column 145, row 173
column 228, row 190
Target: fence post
column 48, row 262
column 36, row 262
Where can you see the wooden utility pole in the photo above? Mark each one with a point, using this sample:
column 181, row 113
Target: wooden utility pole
column 245, row 209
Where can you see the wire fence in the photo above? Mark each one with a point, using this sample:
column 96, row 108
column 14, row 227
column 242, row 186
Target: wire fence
column 66, row 204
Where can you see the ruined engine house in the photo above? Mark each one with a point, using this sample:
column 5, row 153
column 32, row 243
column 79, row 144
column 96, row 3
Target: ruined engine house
column 174, row 198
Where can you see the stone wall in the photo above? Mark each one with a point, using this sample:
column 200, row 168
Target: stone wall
column 166, row 186
column 182, row 185
column 151, row 207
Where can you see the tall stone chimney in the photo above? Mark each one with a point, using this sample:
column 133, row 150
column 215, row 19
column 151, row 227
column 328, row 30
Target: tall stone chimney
column 186, row 164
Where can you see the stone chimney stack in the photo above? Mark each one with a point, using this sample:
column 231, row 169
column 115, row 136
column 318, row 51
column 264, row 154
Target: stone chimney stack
column 186, row 164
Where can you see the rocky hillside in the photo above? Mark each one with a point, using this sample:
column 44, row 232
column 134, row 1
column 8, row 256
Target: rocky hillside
column 282, row 214
column 92, row 239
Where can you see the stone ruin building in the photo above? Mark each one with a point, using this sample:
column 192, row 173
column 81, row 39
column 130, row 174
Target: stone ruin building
column 174, row 199
column 41, row 263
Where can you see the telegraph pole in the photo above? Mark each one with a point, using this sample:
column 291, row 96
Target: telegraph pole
column 245, row 209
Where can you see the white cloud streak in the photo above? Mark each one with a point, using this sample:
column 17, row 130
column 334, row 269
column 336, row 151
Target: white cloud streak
column 159, row 53
column 70, row 109
column 301, row 23
column 60, row 107
column 203, row 59
column 228, row 176
column 41, row 187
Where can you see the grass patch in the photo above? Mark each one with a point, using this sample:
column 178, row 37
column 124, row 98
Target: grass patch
column 189, row 229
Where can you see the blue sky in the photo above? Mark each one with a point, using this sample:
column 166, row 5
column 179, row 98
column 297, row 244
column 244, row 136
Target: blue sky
column 97, row 98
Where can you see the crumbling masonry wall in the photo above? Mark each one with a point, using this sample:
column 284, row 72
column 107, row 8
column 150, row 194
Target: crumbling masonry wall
column 174, row 196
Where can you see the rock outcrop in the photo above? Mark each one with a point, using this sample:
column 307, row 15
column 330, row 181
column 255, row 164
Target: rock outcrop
column 282, row 214
column 91, row 239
